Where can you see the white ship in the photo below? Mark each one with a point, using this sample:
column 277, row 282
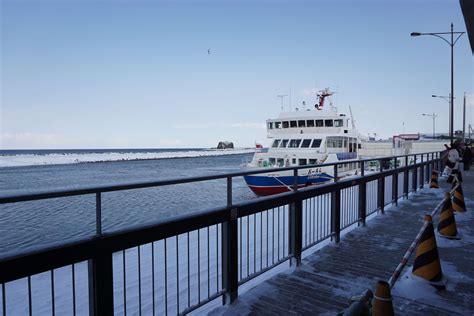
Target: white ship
column 305, row 138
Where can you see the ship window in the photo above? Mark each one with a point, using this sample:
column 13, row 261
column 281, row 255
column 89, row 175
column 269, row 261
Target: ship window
column 328, row 123
column 313, row 161
column 294, row 143
column 309, row 123
column 338, row 123
column 319, row 123
column 339, row 143
column 292, row 123
column 272, row 161
column 316, row 143
column 306, row 143
column 277, row 124
column 275, row 144
column 302, row 162
column 283, row 144
column 293, row 161
column 270, row 125
column 285, row 124
column 280, row 162
column 302, row 123
column 359, row 146
column 345, row 142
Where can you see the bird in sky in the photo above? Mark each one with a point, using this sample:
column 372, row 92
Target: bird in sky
column 208, row 51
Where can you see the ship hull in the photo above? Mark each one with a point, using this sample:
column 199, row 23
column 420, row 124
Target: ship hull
column 264, row 185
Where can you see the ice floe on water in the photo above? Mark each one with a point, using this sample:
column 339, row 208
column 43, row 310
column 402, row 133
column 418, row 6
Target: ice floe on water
column 16, row 160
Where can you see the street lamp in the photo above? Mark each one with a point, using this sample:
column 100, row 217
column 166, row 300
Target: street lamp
column 451, row 43
column 434, row 118
column 447, row 99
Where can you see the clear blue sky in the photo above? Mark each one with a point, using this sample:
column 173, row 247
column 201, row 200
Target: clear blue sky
column 109, row 74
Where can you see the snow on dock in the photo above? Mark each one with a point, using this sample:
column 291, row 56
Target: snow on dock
column 326, row 279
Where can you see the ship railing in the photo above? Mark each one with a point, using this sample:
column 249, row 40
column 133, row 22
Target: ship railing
column 181, row 264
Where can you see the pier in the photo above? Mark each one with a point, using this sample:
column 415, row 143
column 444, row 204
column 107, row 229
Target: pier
column 362, row 225
column 327, row 278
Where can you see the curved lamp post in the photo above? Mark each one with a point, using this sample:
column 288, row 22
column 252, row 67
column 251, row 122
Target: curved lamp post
column 451, row 43
column 434, row 116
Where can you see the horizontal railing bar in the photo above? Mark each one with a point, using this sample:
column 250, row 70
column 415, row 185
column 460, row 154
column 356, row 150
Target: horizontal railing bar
column 142, row 185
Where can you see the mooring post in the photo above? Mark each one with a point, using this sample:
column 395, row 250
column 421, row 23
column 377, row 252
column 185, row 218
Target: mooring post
column 230, row 250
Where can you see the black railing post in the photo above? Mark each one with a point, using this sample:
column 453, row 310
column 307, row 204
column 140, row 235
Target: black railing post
column 362, row 203
column 414, row 178
column 432, row 162
column 229, row 191
column 405, row 178
column 381, row 188
column 335, row 173
column 101, row 288
column 422, row 173
column 395, row 183
column 427, row 169
column 336, row 214
column 98, row 214
column 296, row 232
column 440, row 162
column 295, row 179
column 230, row 249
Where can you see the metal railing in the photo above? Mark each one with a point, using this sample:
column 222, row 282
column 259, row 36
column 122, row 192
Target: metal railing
column 182, row 263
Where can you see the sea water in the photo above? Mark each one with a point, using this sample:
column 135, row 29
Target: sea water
column 36, row 224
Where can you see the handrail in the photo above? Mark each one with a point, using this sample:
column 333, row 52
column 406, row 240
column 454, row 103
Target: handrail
column 99, row 250
column 141, row 185
column 141, row 234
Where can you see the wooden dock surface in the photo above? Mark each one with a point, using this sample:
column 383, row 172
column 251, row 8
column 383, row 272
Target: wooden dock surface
column 326, row 279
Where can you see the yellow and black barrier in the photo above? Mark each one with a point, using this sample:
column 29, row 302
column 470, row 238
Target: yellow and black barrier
column 458, row 200
column 382, row 303
column 434, row 180
column 447, row 224
column 427, row 264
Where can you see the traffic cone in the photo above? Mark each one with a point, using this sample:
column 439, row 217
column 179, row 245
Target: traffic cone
column 427, row 265
column 382, row 302
column 458, row 200
column 447, row 224
column 434, row 180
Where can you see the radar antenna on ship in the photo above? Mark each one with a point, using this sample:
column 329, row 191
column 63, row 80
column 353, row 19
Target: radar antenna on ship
column 352, row 118
column 322, row 95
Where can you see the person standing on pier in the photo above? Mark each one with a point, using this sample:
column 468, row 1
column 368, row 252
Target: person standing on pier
column 453, row 163
column 467, row 157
